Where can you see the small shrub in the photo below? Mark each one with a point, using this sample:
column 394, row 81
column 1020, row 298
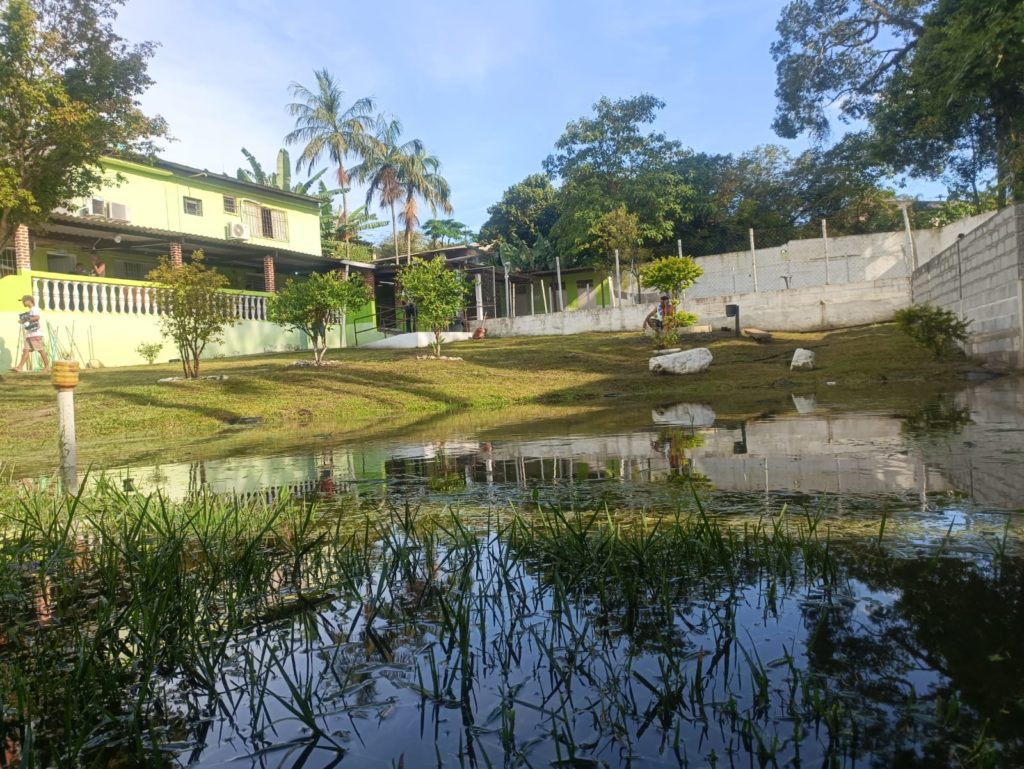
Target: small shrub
column 671, row 326
column 938, row 330
column 149, row 351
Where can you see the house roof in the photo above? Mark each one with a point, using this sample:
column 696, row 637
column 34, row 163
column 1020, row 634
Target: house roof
column 200, row 173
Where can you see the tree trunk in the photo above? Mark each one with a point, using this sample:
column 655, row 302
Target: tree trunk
column 437, row 341
column 343, row 186
column 394, row 233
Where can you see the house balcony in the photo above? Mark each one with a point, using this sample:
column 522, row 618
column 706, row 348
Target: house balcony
column 57, row 292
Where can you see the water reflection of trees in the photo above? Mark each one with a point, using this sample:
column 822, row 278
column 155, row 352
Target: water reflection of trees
column 934, row 662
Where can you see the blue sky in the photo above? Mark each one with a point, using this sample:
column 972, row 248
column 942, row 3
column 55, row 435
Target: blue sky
column 487, row 86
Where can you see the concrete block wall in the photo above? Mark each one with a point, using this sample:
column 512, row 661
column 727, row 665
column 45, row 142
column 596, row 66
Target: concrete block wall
column 981, row 278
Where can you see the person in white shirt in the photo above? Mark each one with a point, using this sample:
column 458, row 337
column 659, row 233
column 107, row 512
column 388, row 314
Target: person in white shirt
column 32, row 323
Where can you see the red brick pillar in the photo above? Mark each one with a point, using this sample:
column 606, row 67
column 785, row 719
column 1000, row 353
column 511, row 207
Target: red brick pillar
column 176, row 254
column 268, row 274
column 22, row 251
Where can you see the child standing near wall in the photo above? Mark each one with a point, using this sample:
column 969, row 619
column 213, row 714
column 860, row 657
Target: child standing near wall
column 31, row 322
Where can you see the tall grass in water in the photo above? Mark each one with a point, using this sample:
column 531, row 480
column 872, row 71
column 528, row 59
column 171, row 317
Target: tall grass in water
column 144, row 632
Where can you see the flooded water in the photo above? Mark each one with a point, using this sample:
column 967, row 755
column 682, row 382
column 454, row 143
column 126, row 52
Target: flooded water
column 962, row 451
column 806, row 588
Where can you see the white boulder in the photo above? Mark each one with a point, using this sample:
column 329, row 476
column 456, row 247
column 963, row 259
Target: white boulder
column 685, row 362
column 803, row 360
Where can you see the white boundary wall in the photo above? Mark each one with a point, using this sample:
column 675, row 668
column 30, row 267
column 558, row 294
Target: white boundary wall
column 816, row 308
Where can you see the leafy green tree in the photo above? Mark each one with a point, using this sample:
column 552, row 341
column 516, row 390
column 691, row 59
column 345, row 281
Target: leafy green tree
column 69, row 90
column 195, row 310
column 527, row 211
column 671, row 275
column 327, row 126
column 606, row 161
column 933, row 78
column 443, row 232
column 618, row 230
column 438, row 293
column 316, row 305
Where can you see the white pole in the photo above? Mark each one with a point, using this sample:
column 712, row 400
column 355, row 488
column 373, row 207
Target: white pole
column 533, row 310
column 679, row 248
column 508, row 297
column 558, row 287
column 66, row 430
column 910, row 236
column 544, row 295
column 617, row 296
column 479, row 290
column 753, row 258
column 824, row 244
column 65, row 379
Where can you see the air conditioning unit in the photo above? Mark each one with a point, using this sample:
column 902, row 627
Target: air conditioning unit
column 237, row 231
column 117, row 211
column 93, row 207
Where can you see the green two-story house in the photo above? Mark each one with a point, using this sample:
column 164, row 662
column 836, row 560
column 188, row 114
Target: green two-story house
column 87, row 265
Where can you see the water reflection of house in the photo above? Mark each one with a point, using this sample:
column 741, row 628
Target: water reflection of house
column 859, row 454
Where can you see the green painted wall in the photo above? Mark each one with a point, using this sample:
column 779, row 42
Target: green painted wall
column 155, row 198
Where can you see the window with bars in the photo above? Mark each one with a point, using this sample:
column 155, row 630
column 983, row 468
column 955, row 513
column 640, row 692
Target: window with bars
column 264, row 222
column 135, row 270
column 193, row 206
column 8, row 262
column 230, row 204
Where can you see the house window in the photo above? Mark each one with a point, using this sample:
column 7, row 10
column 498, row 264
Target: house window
column 193, row 206
column 230, row 204
column 265, row 222
column 134, row 270
column 8, row 264
column 254, row 281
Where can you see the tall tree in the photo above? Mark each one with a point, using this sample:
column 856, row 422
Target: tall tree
column 396, row 172
column 527, row 211
column 327, row 126
column 609, row 160
column 933, row 78
column 421, row 178
column 69, row 89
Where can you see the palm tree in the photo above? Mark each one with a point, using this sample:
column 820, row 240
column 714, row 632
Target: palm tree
column 384, row 168
column 421, row 179
column 322, row 122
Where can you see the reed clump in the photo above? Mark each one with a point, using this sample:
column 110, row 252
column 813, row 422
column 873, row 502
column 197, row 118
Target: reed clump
column 145, row 632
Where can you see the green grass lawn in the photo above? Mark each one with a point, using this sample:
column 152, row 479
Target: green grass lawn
column 871, row 366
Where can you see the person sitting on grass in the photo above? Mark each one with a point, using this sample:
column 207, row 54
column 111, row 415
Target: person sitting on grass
column 30, row 321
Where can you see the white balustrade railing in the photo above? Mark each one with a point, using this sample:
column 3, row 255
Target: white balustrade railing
column 73, row 294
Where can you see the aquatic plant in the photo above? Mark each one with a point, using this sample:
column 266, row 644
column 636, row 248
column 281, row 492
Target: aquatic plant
column 143, row 632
